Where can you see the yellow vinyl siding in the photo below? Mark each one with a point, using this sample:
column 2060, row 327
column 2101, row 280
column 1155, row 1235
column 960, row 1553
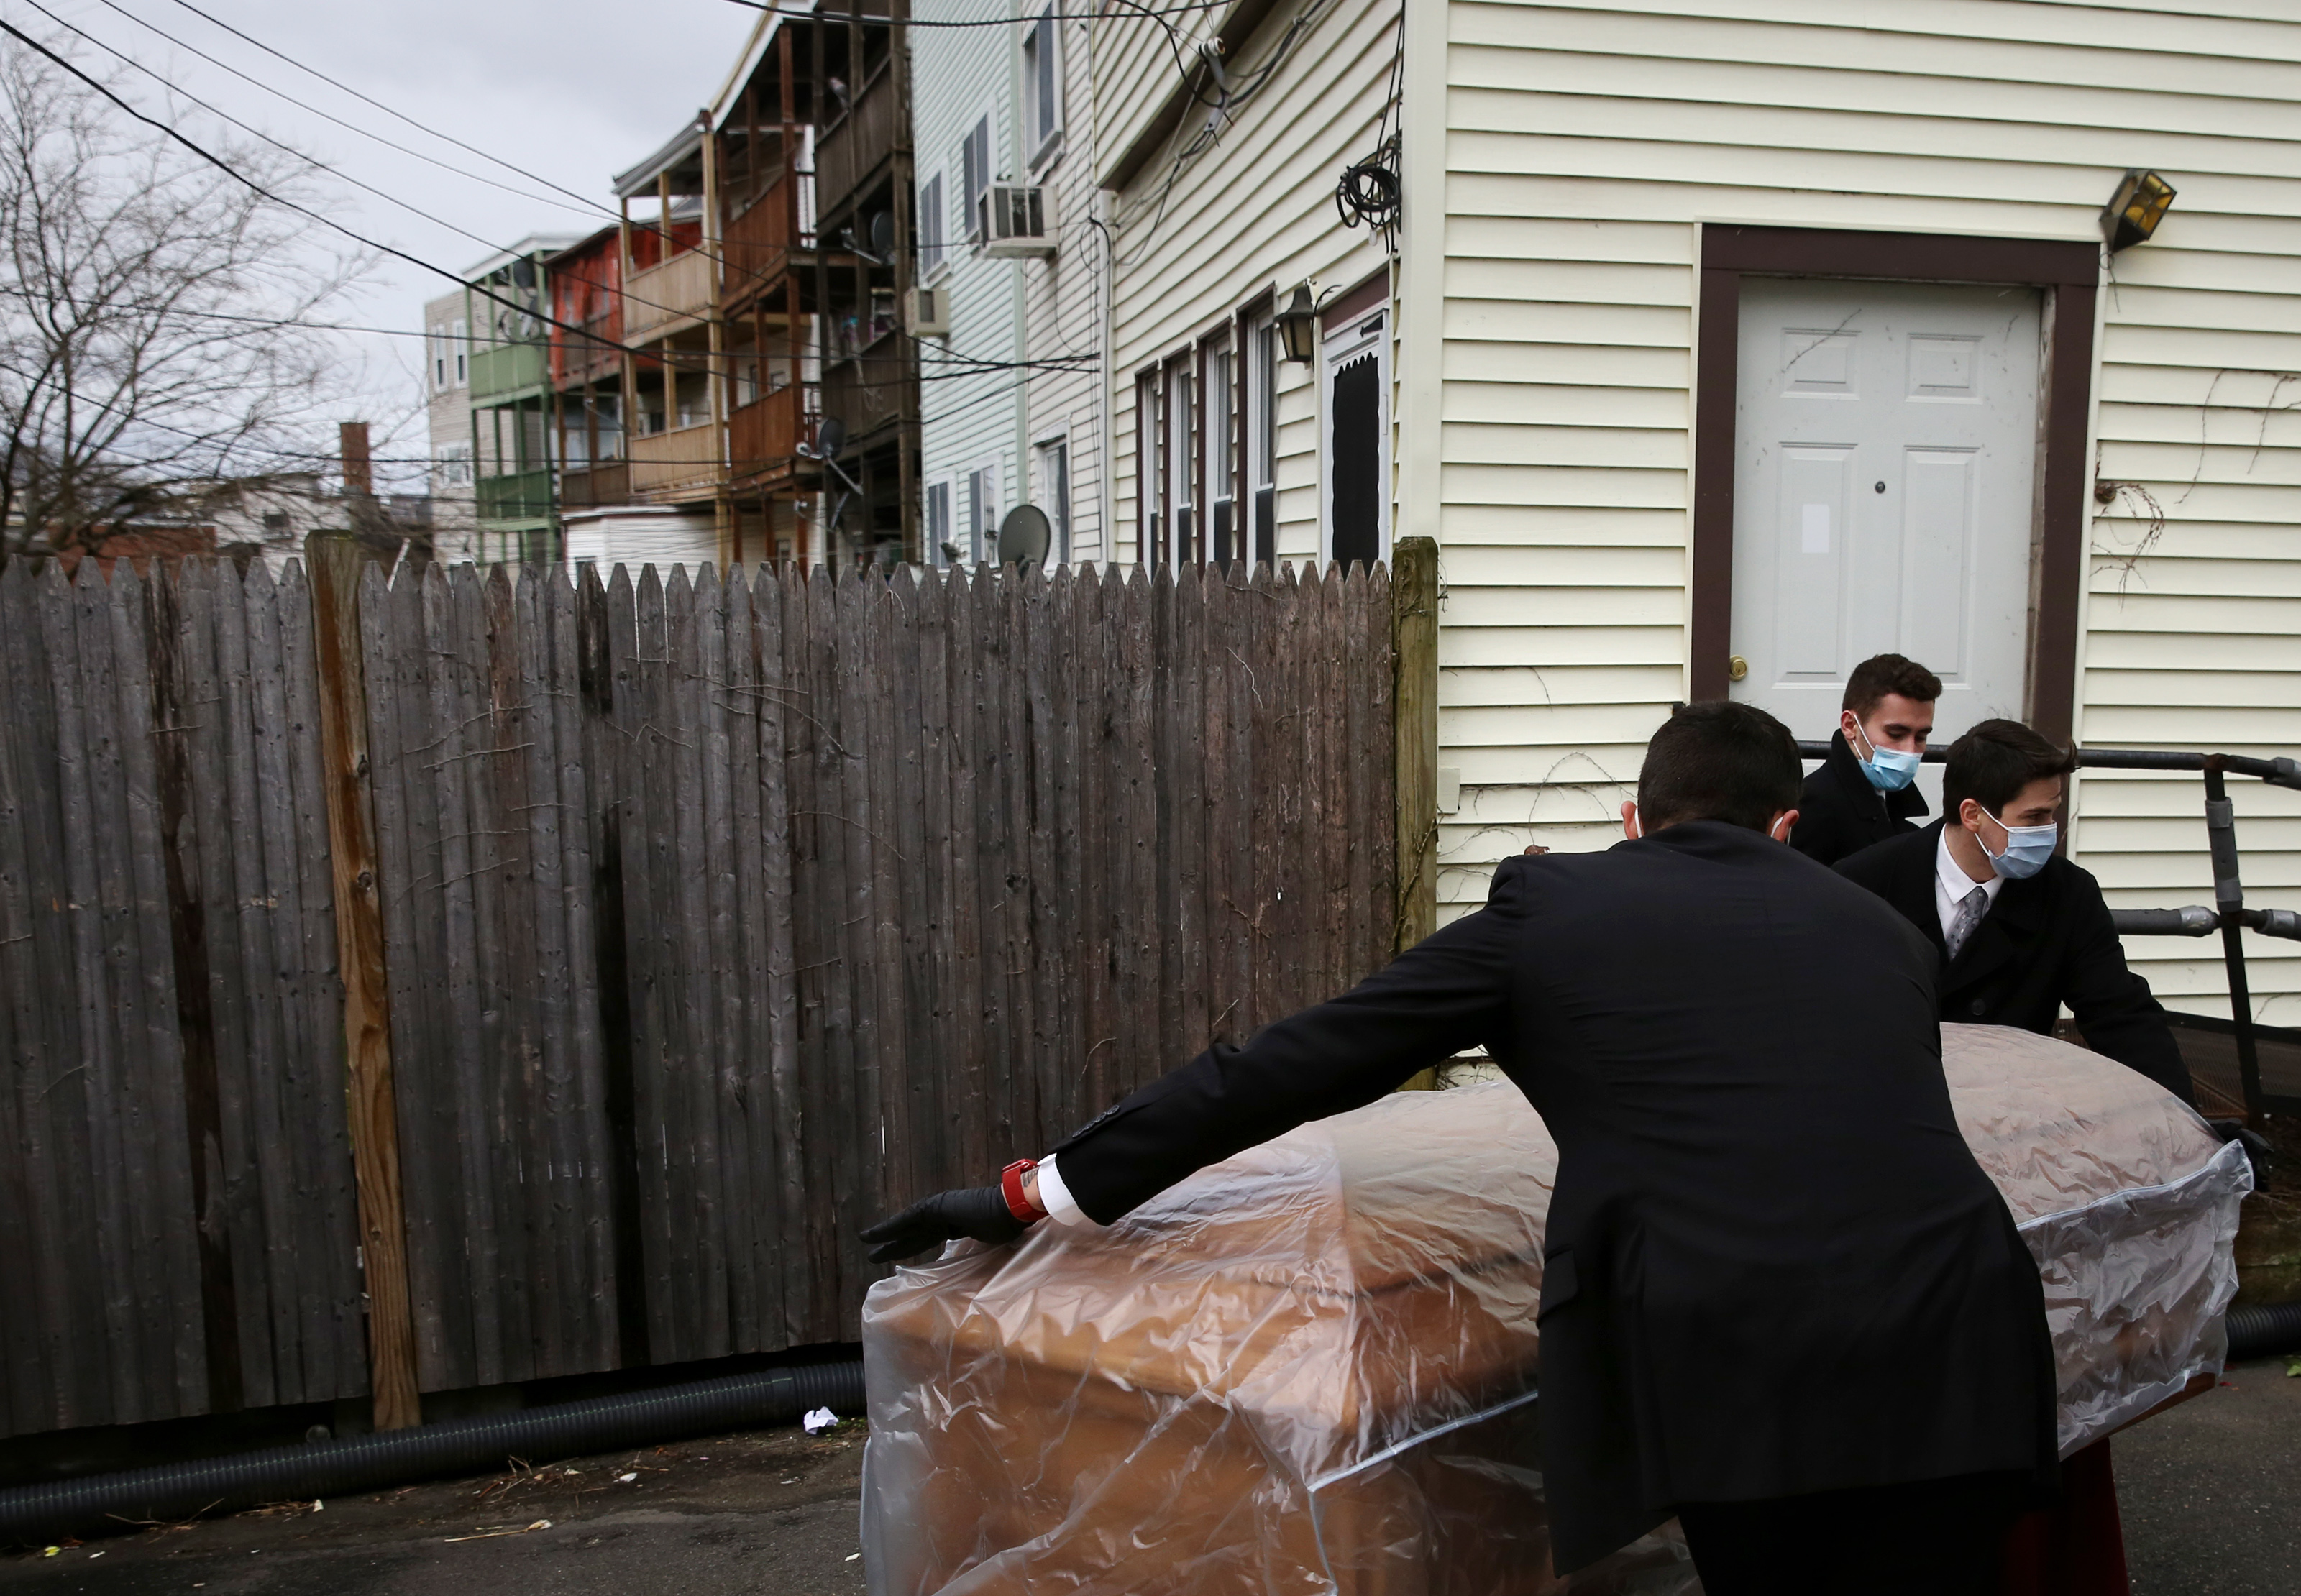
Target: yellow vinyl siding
column 1255, row 213
column 1585, row 145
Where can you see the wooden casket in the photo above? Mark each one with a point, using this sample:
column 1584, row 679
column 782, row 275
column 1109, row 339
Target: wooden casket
column 1311, row 1368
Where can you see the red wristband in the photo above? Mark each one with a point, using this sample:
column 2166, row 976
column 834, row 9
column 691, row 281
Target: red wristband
column 1010, row 1184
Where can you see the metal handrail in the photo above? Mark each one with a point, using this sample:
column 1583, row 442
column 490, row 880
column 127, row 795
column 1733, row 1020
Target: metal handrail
column 2229, row 915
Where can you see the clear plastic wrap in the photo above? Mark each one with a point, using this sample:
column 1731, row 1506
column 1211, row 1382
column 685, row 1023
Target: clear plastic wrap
column 1311, row 1367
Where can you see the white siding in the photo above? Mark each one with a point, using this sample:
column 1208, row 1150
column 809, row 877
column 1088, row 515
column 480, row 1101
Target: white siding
column 968, row 418
column 1065, row 298
column 1256, row 211
column 1583, row 148
column 447, row 415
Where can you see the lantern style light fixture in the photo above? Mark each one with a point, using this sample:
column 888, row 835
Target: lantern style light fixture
column 1298, row 325
column 2135, row 210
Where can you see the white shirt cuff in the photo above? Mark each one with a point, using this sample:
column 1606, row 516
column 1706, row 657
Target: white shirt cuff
column 1056, row 1198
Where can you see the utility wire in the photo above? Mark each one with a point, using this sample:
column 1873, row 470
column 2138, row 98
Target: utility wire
column 1153, row 13
column 314, row 162
column 331, row 116
column 379, row 105
column 537, row 311
column 662, row 227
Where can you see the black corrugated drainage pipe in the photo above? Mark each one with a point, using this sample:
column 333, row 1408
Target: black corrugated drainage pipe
column 2265, row 1332
column 324, row 1468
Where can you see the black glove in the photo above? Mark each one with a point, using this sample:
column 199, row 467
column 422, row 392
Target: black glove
column 980, row 1212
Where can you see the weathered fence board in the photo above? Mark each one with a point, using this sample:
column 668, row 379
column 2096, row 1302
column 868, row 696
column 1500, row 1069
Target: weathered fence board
column 718, row 916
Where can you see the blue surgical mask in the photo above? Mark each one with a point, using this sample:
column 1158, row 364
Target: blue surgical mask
column 2027, row 849
column 1889, row 770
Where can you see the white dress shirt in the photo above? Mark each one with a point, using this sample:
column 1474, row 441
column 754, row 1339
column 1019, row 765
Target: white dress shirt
column 1056, row 1198
column 1952, row 884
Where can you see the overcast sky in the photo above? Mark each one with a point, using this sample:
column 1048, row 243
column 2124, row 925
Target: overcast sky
column 572, row 90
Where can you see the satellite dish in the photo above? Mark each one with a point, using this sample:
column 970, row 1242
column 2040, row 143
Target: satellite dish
column 1026, row 536
column 883, row 233
column 830, row 437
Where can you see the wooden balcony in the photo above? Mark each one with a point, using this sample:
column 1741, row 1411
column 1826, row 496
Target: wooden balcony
column 680, row 290
column 869, row 393
column 763, row 438
column 508, row 367
column 609, row 483
column 673, row 461
column 522, row 495
column 760, row 240
column 853, row 148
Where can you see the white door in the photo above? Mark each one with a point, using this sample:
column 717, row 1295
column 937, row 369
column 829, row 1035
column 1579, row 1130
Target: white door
column 1885, row 442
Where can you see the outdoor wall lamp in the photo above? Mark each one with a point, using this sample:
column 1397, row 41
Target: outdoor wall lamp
column 1298, row 325
column 2135, row 210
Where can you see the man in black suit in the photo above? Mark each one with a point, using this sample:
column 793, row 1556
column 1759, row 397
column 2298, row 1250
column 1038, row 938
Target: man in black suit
column 1863, row 792
column 1779, row 1299
column 2018, row 929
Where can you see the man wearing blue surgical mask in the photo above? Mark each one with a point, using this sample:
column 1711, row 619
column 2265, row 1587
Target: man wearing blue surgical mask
column 2022, row 931
column 1862, row 794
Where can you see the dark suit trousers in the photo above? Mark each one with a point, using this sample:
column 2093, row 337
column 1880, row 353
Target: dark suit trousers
column 1930, row 1538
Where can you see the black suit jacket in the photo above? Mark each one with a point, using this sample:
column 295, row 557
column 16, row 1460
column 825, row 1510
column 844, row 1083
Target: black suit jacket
column 2047, row 940
column 1839, row 813
column 1773, row 1266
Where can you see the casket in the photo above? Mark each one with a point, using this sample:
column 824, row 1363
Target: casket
column 1311, row 1367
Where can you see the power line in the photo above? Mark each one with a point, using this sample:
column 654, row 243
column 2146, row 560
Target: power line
column 662, row 227
column 379, row 105
column 339, row 121
column 314, row 162
column 1151, row 13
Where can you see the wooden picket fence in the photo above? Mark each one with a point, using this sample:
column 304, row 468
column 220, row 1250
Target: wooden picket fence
column 695, row 921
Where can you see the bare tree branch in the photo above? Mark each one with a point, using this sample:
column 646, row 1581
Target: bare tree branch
column 149, row 345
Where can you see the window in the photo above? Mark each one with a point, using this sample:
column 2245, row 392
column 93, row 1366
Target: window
column 443, row 357
column 975, row 172
column 983, row 514
column 941, row 550
column 1042, row 85
column 455, row 464
column 1357, row 444
column 1182, row 458
column 1262, row 436
column 459, row 335
column 1054, row 491
column 1222, row 455
column 1150, row 474
column 931, row 228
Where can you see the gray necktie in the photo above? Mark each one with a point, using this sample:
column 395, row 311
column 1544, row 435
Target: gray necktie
column 1970, row 909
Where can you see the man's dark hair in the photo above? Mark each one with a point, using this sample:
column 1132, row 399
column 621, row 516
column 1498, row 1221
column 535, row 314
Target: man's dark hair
column 1883, row 673
column 1992, row 763
column 1718, row 760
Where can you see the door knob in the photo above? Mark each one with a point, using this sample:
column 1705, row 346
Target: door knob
column 1736, row 668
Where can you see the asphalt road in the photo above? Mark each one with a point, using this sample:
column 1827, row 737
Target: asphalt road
column 771, row 1512
column 2210, row 1493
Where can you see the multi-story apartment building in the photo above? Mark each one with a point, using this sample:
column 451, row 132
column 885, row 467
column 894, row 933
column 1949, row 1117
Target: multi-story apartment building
column 865, row 261
column 508, row 309
column 720, row 376
column 447, row 415
column 1014, row 267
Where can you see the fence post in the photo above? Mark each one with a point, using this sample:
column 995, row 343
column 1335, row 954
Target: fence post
column 334, row 561
column 1414, row 712
column 1414, row 706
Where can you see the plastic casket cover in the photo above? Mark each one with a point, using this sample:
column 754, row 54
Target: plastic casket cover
column 1311, row 1367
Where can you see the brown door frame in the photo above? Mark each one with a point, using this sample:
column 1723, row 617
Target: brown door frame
column 2066, row 274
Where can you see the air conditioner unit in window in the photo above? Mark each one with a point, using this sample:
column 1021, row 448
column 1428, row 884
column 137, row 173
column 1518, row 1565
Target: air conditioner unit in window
column 927, row 312
column 1015, row 221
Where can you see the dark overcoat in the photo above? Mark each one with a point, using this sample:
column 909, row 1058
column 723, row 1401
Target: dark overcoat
column 1839, row 813
column 2047, row 940
column 1772, row 1266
